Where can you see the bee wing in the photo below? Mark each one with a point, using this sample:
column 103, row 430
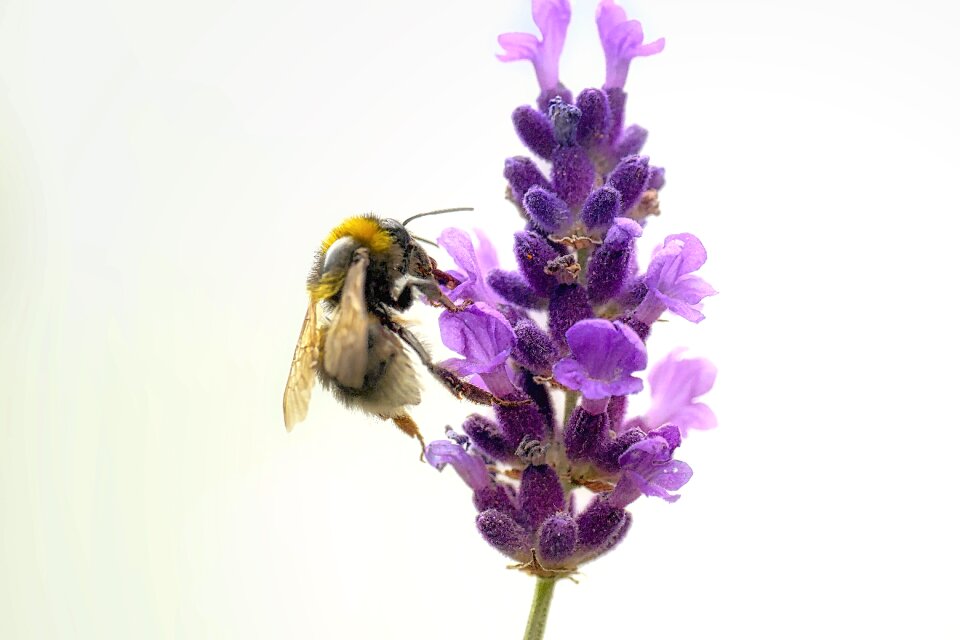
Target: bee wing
column 345, row 355
column 303, row 372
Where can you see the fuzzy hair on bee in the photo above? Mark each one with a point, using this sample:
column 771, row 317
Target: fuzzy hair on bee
column 352, row 341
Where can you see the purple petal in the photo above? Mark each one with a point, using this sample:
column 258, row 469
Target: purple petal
column 648, row 469
column 668, row 278
column 607, row 351
column 473, row 277
column 518, row 46
column 622, row 40
column 470, row 468
column 552, row 18
column 479, row 333
column 675, row 384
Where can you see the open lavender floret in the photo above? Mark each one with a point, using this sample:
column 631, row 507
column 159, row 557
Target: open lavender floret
column 575, row 317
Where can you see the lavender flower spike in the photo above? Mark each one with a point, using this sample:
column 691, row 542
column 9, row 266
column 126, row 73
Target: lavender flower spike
column 670, row 281
column 603, row 356
column 622, row 41
column 552, row 18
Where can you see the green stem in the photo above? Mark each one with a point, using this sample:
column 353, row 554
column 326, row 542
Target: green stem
column 539, row 608
column 570, row 399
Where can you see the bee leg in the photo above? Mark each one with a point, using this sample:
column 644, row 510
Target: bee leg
column 430, row 288
column 463, row 389
column 454, row 383
column 406, row 424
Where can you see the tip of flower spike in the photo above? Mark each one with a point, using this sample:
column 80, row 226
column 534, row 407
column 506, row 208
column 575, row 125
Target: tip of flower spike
column 565, row 118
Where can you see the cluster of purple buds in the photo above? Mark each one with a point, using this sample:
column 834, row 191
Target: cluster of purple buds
column 575, row 317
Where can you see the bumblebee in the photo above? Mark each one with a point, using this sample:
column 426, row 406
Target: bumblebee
column 352, row 341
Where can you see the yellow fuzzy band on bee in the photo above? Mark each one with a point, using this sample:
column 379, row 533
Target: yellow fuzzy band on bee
column 364, row 229
column 329, row 285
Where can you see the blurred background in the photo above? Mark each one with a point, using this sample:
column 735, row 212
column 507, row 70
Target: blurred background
column 167, row 171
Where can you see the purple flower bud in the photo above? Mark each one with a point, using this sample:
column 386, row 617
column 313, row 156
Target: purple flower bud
column 494, row 496
column 541, row 494
column 607, row 270
column 533, row 253
column 535, row 350
column 523, row 421
column 565, row 118
column 573, row 174
column 521, row 173
column 504, row 534
column 631, row 141
column 616, row 410
column 583, row 433
column 658, row 178
column 633, row 293
column 598, row 523
column 534, row 130
column 603, row 355
column 622, row 41
column 568, row 305
column 617, row 99
column 674, row 386
column 595, row 118
column 479, row 333
column 513, row 288
column 487, row 436
column 557, row 539
column 548, row 211
column 641, row 328
column 630, row 179
column 541, row 397
column 469, row 467
column 601, row 207
column 552, row 18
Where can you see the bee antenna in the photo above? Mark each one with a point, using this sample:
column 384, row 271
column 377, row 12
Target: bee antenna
column 430, row 242
column 433, row 213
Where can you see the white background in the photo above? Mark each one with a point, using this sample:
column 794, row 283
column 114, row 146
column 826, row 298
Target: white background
column 167, row 169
